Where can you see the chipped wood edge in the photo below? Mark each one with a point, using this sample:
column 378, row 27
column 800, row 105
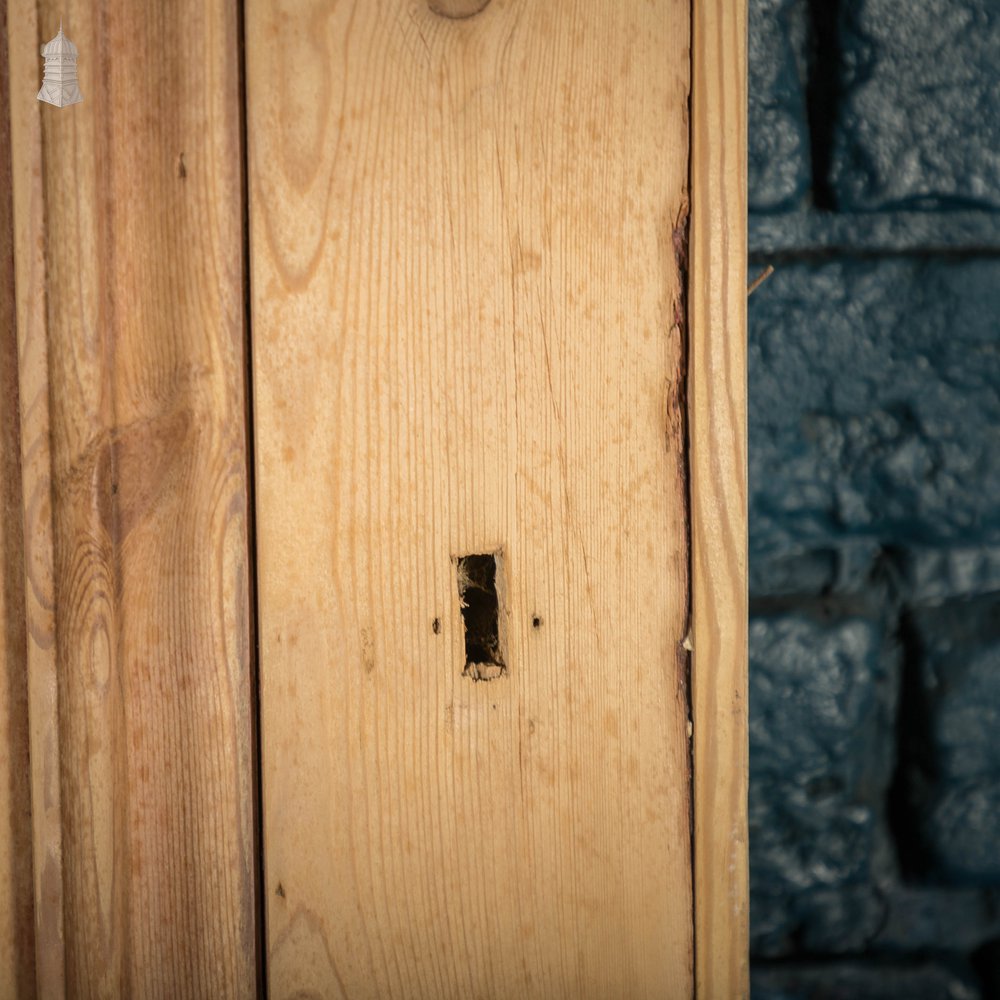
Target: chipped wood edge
column 717, row 297
column 36, row 470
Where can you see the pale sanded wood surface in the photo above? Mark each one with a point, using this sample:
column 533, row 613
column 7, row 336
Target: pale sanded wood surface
column 467, row 338
column 17, row 939
column 718, row 462
column 131, row 330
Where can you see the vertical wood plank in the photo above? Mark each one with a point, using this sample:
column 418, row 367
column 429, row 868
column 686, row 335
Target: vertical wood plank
column 27, row 191
column 17, row 939
column 466, row 340
column 717, row 407
column 129, row 283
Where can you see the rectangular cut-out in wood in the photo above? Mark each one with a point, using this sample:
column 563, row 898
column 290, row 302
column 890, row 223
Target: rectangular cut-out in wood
column 467, row 325
column 480, row 580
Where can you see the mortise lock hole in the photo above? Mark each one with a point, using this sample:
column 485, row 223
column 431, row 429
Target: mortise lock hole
column 480, row 594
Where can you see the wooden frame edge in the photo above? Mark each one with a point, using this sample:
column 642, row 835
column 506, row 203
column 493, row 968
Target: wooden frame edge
column 17, row 920
column 718, row 468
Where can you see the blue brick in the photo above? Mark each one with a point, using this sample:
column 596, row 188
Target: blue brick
column 821, row 696
column 801, row 572
column 960, row 671
column 865, row 981
column 875, row 405
column 841, row 921
column 944, row 919
column 953, row 766
column 849, row 567
column 960, row 824
column 919, row 119
column 936, row 574
column 779, row 171
column 884, row 916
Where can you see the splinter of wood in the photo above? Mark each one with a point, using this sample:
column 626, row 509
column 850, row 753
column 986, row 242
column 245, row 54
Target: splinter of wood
column 480, row 590
column 457, row 8
column 760, row 279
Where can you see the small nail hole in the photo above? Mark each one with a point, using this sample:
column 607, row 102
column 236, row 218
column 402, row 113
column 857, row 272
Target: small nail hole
column 536, row 622
column 436, row 626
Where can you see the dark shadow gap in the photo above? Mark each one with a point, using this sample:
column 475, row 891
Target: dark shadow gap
column 259, row 907
column 822, row 96
column 914, row 763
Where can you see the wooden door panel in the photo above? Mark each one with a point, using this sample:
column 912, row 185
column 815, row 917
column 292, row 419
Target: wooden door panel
column 468, row 340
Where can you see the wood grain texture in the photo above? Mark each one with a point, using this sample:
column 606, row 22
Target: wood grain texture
column 36, row 484
column 17, row 938
column 465, row 301
column 131, row 331
column 718, row 463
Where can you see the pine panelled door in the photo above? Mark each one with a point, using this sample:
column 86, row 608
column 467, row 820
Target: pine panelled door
column 373, row 536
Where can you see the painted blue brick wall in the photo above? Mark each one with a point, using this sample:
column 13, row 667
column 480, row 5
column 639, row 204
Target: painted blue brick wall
column 951, row 758
column 874, row 365
column 779, row 165
column 918, row 123
column 887, row 374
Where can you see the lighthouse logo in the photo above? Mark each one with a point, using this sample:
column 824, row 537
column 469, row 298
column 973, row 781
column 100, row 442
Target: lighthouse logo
column 59, row 87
